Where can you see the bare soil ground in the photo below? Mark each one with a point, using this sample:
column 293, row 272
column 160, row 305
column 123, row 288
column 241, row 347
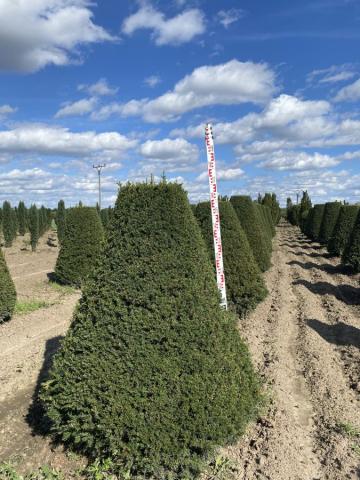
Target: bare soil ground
column 304, row 339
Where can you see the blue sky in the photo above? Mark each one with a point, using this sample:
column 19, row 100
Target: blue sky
column 131, row 84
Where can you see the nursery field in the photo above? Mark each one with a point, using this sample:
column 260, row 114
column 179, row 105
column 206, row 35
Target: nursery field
column 304, row 339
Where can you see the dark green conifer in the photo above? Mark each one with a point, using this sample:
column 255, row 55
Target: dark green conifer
column 80, row 246
column 22, row 218
column 245, row 287
column 60, row 221
column 343, row 228
column 7, row 291
column 317, row 216
column 330, row 216
column 351, row 255
column 152, row 372
column 250, row 222
column 8, row 229
column 34, row 227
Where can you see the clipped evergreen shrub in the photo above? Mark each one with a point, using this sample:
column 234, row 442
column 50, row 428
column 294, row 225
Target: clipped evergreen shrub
column 308, row 223
column 7, row 291
column 8, row 228
column 351, row 255
column 80, row 246
column 152, row 372
column 265, row 228
column 60, row 220
column 245, row 287
column 330, row 216
column 22, row 218
column 34, row 227
column 343, row 228
column 249, row 220
column 317, row 216
column 270, row 220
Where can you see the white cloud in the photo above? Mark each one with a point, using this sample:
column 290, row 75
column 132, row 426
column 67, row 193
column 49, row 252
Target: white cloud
column 37, row 33
column 6, row 110
column 170, row 154
column 152, row 81
column 49, row 140
column 286, row 109
column 350, row 93
column 233, row 82
column 333, row 74
column 81, row 107
column 224, row 174
column 298, row 161
column 227, row 17
column 98, row 89
column 173, row 31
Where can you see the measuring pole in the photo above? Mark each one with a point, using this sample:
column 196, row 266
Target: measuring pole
column 99, row 168
column 215, row 215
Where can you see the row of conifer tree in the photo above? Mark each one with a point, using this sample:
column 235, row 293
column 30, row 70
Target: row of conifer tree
column 336, row 225
column 19, row 220
column 152, row 372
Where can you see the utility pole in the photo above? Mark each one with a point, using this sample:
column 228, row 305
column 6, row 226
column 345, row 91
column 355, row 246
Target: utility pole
column 99, row 168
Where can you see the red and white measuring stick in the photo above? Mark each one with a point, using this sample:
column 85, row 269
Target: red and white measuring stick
column 215, row 215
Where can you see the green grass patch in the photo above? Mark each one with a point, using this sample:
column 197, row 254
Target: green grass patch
column 63, row 289
column 22, row 308
column 349, row 430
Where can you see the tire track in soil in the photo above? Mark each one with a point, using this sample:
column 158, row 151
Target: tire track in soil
column 282, row 444
column 329, row 345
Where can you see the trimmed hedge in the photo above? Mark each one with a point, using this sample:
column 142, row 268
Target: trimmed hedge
column 245, row 287
column 343, row 229
column 330, row 216
column 7, row 291
column 80, row 246
column 60, row 220
column 152, row 372
column 315, row 226
column 250, row 222
column 351, row 254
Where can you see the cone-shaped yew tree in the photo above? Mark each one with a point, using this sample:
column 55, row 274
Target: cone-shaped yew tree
column 343, row 228
column 331, row 214
column 316, row 221
column 250, row 222
column 152, row 372
column 7, row 291
column 351, row 255
column 245, row 286
column 80, row 246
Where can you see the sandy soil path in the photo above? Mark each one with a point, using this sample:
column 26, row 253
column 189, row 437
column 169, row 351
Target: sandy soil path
column 304, row 339
column 27, row 344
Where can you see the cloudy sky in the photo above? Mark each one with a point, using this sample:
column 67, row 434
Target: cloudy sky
column 132, row 83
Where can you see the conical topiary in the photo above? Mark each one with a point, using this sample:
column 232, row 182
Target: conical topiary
column 264, row 224
column 152, row 372
column 343, row 229
column 245, row 287
column 80, row 246
column 317, row 217
column 351, row 255
column 331, row 214
column 7, row 291
column 250, row 222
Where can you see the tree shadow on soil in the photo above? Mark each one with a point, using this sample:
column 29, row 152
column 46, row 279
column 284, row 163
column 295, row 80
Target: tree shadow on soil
column 339, row 334
column 36, row 417
column 345, row 293
column 328, row 268
column 300, row 245
column 312, row 255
